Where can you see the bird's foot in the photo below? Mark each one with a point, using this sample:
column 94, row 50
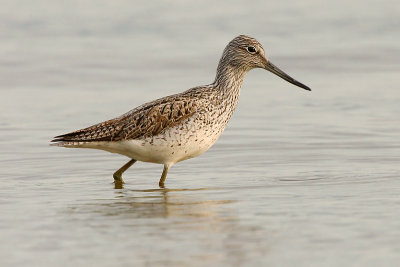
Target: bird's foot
column 118, row 184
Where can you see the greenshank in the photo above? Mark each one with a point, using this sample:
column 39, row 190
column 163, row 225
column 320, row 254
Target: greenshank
column 180, row 126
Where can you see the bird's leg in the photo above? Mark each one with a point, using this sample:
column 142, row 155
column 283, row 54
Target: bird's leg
column 164, row 175
column 118, row 174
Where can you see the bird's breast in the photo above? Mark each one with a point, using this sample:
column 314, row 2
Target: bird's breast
column 189, row 139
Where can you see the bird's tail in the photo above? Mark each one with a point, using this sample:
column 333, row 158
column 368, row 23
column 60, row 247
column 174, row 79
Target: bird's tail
column 104, row 131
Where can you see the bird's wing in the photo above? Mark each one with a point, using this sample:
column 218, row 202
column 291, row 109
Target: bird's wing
column 146, row 120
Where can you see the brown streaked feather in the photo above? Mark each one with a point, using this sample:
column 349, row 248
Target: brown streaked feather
column 146, row 120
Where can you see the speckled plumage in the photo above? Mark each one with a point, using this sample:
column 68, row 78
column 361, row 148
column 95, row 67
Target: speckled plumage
column 180, row 126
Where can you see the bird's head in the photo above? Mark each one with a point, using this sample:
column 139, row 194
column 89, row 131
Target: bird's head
column 245, row 53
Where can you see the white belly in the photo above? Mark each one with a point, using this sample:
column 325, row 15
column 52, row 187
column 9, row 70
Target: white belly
column 170, row 146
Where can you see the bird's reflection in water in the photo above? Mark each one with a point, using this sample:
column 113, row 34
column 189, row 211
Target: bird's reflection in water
column 158, row 202
column 172, row 220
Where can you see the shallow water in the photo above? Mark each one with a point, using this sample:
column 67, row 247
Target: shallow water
column 298, row 178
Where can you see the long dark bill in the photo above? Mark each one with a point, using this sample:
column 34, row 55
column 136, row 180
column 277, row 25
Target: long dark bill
column 275, row 70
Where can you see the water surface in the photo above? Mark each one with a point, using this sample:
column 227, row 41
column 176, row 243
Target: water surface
column 298, row 178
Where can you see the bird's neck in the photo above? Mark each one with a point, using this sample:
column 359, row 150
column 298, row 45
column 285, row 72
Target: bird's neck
column 229, row 79
column 228, row 82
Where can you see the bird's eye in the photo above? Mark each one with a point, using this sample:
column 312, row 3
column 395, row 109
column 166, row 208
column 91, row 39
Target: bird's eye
column 251, row 49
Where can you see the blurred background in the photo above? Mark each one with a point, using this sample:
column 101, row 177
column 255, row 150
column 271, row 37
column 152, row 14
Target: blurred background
column 298, row 178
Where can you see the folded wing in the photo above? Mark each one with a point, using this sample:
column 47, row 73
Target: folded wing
column 147, row 120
